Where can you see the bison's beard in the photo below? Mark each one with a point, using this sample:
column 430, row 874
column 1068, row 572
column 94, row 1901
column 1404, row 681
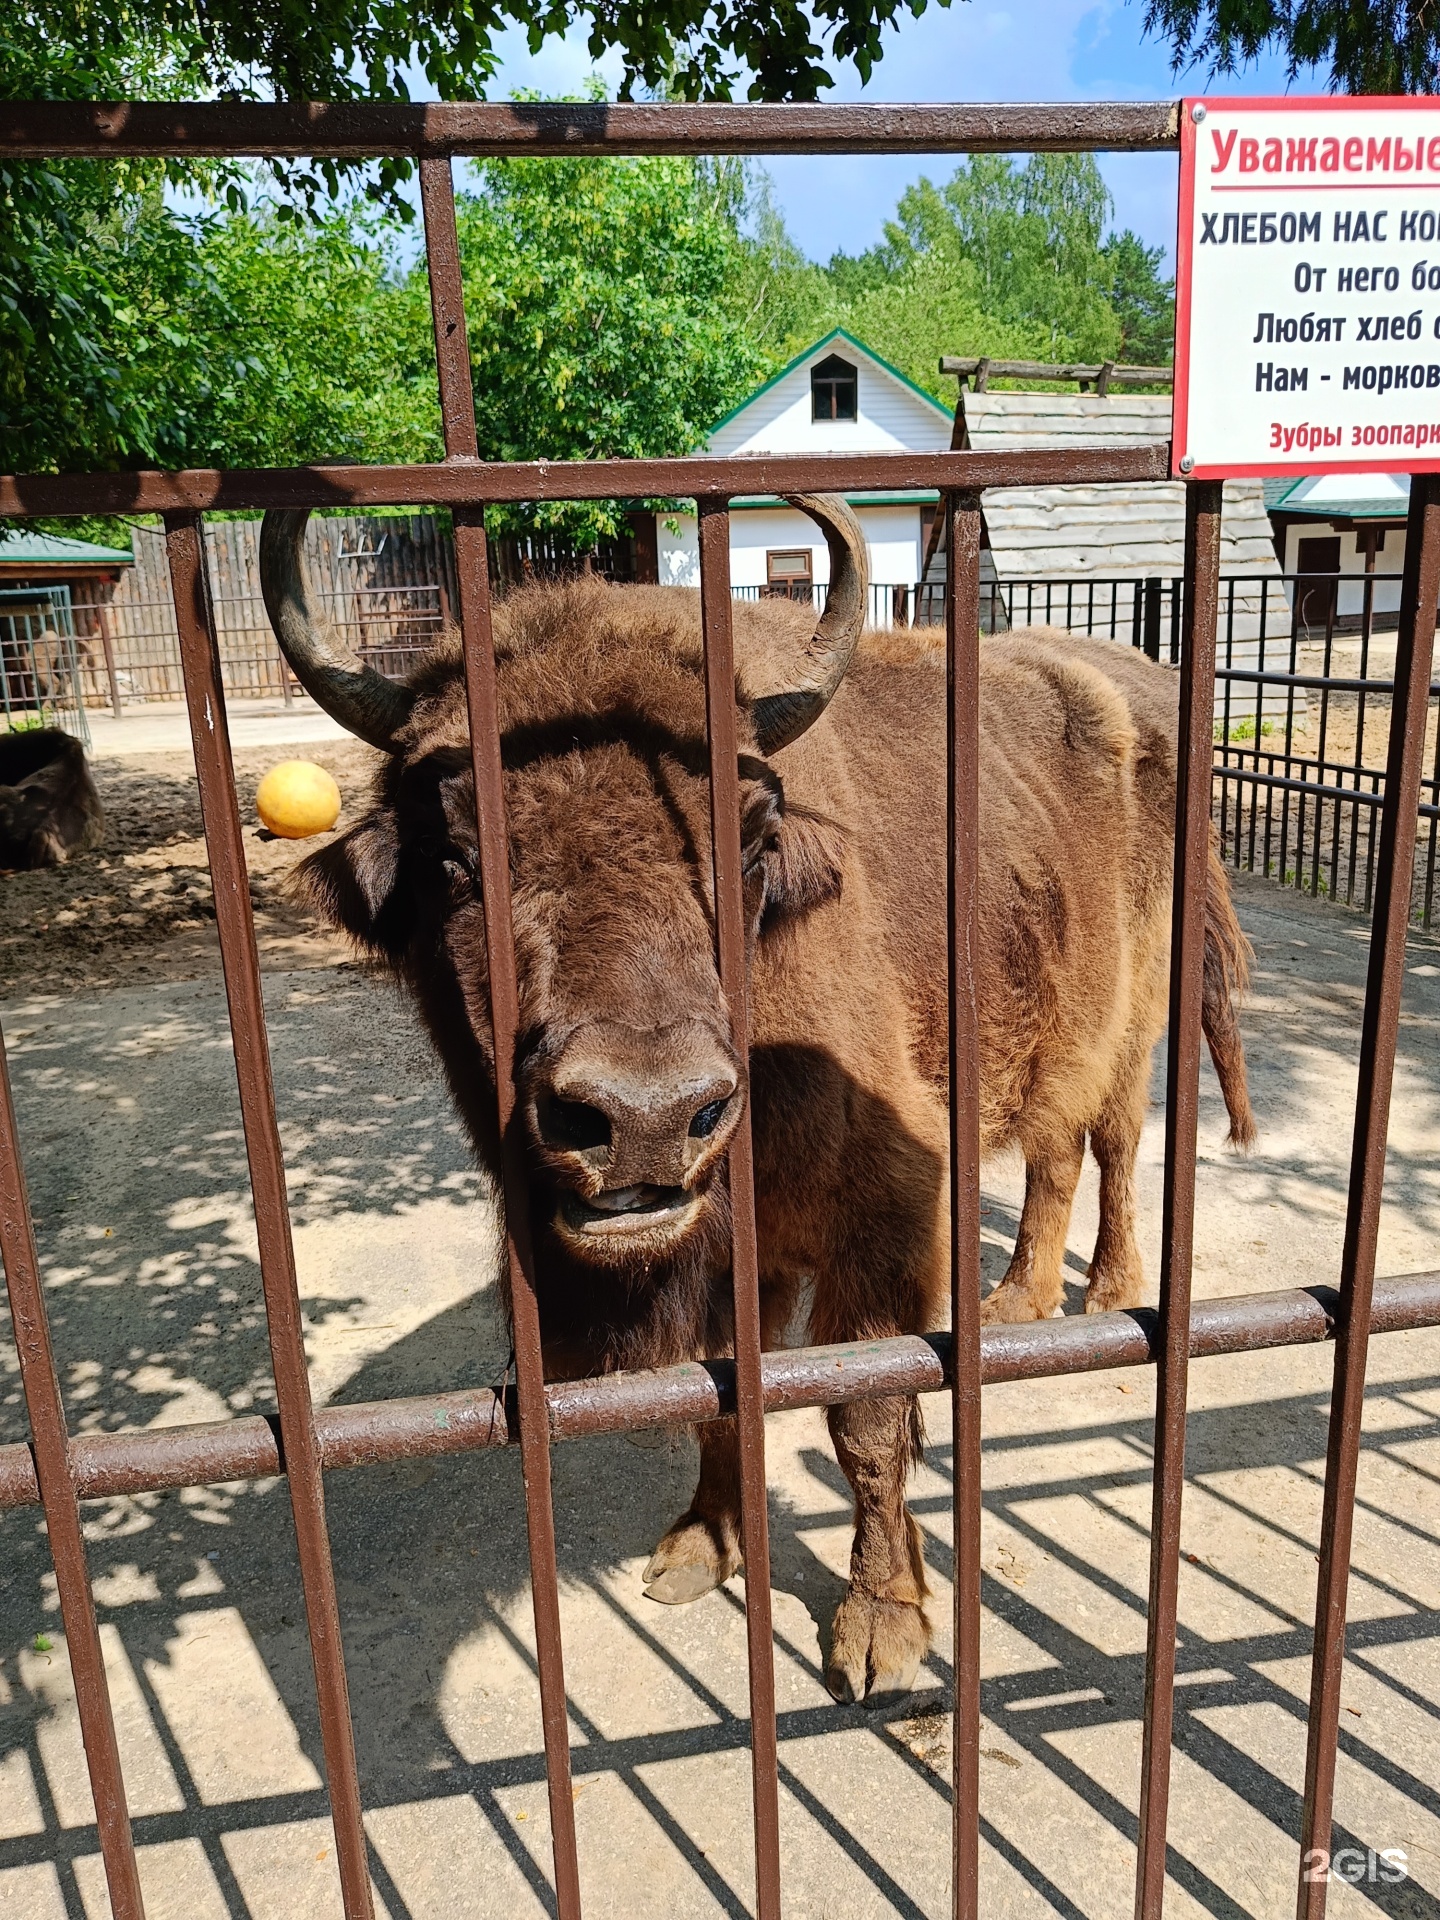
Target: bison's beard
column 644, row 1312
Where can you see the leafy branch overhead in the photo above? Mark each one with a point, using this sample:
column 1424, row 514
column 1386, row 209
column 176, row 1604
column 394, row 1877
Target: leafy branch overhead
column 368, row 49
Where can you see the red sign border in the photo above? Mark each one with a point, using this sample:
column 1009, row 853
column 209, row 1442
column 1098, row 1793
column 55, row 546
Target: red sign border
column 1180, row 409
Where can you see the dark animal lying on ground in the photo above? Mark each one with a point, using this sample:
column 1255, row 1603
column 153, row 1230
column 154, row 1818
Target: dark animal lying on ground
column 49, row 808
column 628, row 1084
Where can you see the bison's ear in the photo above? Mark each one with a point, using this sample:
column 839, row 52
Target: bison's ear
column 804, row 864
column 352, row 884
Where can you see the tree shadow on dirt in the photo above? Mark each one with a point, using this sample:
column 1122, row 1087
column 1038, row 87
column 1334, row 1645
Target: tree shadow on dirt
column 136, row 1164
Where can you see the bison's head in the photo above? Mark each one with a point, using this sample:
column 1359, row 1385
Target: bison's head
column 628, row 1081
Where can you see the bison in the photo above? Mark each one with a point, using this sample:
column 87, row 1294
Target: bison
column 628, row 1083
column 49, row 807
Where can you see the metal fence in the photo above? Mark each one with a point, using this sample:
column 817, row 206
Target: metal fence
column 1302, row 737
column 386, row 581
column 41, row 684
column 57, row 1471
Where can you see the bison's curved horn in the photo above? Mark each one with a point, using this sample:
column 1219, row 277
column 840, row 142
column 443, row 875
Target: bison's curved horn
column 361, row 699
column 780, row 718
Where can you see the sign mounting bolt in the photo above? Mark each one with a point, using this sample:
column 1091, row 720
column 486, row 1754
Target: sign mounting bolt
column 1197, row 112
column 1187, row 463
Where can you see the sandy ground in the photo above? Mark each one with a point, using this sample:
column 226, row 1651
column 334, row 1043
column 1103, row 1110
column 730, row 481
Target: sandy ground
column 139, row 907
column 125, row 1088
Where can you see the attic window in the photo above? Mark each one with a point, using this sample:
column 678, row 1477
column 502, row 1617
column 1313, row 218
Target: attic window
column 833, row 386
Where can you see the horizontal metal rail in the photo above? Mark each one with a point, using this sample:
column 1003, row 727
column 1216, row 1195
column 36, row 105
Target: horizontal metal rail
column 1316, row 682
column 429, row 1425
column 467, row 483
column 1351, row 796
column 365, row 129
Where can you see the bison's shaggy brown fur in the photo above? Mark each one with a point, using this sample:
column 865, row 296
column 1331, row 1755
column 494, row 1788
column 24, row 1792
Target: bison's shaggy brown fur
column 49, row 807
column 624, row 1034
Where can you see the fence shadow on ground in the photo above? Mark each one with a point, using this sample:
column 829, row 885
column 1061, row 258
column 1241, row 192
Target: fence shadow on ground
column 136, row 1161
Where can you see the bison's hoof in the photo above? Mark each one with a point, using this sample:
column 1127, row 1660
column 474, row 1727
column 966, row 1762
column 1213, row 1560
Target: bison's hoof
column 1112, row 1292
column 1009, row 1304
column 688, row 1563
column 877, row 1648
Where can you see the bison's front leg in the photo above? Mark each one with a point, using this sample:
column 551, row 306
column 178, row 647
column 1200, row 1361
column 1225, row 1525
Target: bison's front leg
column 881, row 1633
column 702, row 1549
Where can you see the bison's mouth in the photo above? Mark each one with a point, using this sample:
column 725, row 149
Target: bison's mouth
column 628, row 1212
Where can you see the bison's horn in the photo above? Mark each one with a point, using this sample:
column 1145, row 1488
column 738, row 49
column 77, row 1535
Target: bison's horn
column 361, row 699
column 780, row 718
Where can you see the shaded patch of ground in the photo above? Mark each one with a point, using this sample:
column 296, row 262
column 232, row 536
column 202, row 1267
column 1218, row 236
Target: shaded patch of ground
column 140, row 907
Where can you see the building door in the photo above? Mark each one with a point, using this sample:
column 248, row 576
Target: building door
column 788, row 574
column 1315, row 598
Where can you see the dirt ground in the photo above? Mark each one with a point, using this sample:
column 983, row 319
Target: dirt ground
column 139, row 907
column 124, row 1085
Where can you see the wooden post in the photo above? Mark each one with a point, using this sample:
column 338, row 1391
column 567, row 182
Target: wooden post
column 107, row 642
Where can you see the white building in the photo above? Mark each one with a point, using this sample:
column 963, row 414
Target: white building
column 1352, row 524
column 836, row 397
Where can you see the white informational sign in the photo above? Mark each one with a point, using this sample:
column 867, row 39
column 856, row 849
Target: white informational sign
column 1307, row 335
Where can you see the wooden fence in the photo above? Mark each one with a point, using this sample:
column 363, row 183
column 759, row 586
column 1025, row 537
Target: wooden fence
column 387, row 582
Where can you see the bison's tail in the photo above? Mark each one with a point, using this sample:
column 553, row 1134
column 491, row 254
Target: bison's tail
column 1227, row 972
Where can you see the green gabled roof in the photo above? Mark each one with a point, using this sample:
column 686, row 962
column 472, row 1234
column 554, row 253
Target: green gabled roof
column 835, row 333
column 19, row 549
column 1362, row 507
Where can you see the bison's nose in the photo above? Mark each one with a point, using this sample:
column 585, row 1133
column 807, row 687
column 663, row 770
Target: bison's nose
column 637, row 1123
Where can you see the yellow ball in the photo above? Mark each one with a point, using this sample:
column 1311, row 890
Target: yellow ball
column 296, row 799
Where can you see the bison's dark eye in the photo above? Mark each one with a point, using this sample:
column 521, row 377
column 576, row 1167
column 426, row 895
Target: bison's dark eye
column 707, row 1119
column 570, row 1123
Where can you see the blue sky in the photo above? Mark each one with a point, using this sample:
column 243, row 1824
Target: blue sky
column 975, row 50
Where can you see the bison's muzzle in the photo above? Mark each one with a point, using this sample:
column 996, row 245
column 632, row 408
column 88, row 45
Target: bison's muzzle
column 630, row 1125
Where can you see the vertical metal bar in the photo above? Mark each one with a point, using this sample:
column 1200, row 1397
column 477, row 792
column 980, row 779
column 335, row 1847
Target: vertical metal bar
column 210, row 738
column 715, row 611
column 1320, row 747
column 49, row 1440
column 1433, row 783
column 1187, row 956
column 962, row 651
column 472, row 572
column 1404, row 759
column 1152, row 617
column 447, row 309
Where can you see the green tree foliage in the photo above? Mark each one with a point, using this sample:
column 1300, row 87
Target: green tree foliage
column 603, row 320
column 1011, row 261
column 1007, row 260
column 1367, row 46
column 354, row 49
column 151, row 339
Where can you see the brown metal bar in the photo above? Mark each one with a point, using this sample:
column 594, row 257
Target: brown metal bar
column 715, row 615
column 54, row 1478
column 447, row 308
column 358, row 130
column 433, row 1425
column 1403, row 768
column 482, row 695
column 962, row 654
column 473, row 484
column 1194, row 753
column 457, row 411
column 210, row 738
